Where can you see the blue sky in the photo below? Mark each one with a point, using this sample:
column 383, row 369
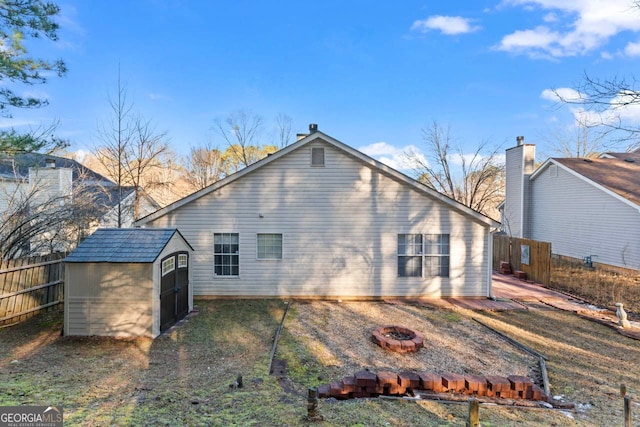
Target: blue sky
column 371, row 74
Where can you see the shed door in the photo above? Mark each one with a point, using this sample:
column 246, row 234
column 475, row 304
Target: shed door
column 174, row 289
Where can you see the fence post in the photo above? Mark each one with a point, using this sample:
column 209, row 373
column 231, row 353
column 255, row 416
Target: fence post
column 474, row 413
column 627, row 411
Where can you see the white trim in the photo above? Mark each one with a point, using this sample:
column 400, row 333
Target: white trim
column 258, row 247
column 182, row 257
column 172, row 260
column 423, row 255
column 237, row 254
column 490, row 264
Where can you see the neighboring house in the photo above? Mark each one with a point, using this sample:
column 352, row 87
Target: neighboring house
column 321, row 219
column 30, row 180
column 584, row 207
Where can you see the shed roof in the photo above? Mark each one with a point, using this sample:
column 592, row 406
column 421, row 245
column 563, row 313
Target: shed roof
column 124, row 245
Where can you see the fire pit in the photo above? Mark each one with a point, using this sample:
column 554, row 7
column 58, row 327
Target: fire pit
column 398, row 339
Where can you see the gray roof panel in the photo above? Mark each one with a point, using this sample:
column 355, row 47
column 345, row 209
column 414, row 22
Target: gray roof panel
column 123, row 245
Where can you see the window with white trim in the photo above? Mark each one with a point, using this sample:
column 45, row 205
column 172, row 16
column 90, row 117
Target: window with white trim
column 436, row 255
column 423, row 255
column 269, row 246
column 168, row 265
column 183, row 260
column 226, row 254
column 410, row 255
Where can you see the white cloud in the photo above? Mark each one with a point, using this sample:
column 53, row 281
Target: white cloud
column 632, row 49
column 535, row 41
column 591, row 24
column 392, row 156
column 449, row 25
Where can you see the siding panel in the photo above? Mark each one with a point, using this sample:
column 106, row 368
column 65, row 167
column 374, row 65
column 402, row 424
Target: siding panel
column 339, row 224
column 580, row 220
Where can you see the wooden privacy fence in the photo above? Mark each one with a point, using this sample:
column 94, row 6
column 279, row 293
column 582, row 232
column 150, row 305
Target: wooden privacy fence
column 29, row 286
column 511, row 249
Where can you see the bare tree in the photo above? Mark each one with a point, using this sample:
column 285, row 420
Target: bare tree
column 142, row 156
column 606, row 104
column 37, row 221
column 204, row 166
column 284, row 132
column 474, row 179
column 131, row 150
column 251, row 152
column 116, row 135
column 241, row 130
column 580, row 140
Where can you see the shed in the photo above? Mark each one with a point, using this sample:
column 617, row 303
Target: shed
column 127, row 282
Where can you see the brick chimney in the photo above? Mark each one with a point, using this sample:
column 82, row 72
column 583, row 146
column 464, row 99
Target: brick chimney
column 519, row 165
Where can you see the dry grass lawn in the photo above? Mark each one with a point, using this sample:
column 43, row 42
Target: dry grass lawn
column 186, row 377
column 601, row 287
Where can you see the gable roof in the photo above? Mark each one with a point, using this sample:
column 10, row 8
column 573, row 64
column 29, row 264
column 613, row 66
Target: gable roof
column 318, row 135
column 17, row 167
column 124, row 245
column 616, row 175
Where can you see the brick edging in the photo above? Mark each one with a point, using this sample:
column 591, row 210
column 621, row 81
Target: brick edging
column 385, row 383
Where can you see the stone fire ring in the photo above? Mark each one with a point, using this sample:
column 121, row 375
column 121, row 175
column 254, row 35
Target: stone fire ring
column 398, row 339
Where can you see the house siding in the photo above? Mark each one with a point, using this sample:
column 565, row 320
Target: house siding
column 339, row 225
column 12, row 192
column 580, row 219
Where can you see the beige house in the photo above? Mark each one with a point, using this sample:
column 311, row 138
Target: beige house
column 321, row 219
column 127, row 282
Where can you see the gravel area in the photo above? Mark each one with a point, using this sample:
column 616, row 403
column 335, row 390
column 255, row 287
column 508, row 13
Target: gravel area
column 340, row 334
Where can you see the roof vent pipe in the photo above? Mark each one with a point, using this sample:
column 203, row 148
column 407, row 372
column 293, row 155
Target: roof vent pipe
column 313, row 128
column 520, row 140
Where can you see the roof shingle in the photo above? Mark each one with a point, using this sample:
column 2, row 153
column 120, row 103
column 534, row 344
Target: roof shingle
column 620, row 175
column 123, row 245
